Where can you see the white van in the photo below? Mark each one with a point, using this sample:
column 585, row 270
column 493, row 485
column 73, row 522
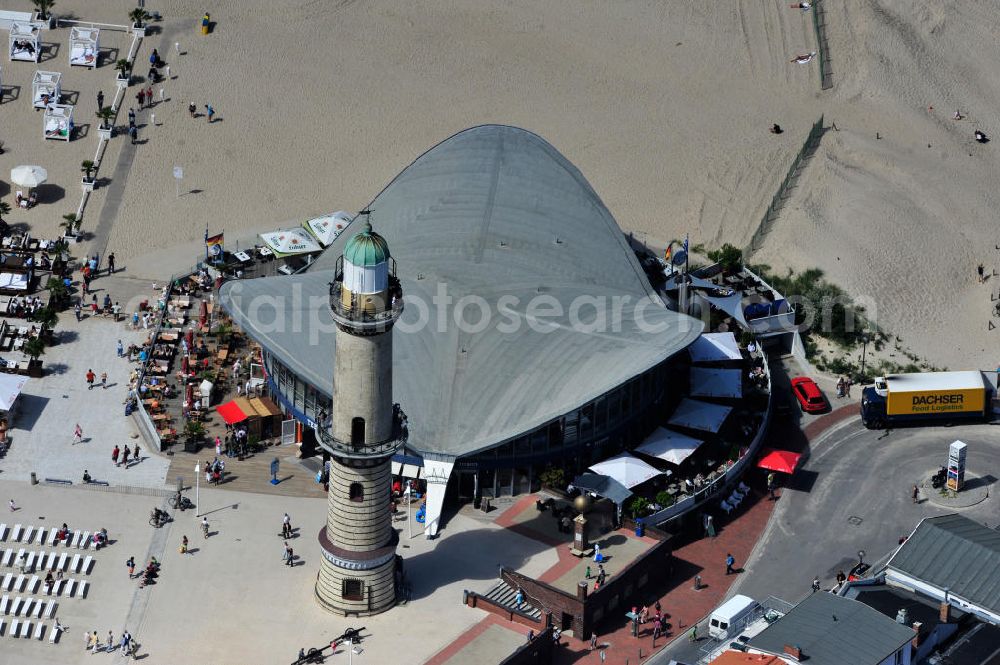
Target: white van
column 730, row 618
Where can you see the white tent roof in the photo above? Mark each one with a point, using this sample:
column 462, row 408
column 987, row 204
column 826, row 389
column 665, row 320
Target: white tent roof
column 695, row 414
column 627, row 469
column 10, row 388
column 326, row 228
column 290, row 241
column 669, row 446
column 713, row 347
column 710, row 382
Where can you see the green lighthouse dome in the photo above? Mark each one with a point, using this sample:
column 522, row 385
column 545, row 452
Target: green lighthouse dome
column 366, row 249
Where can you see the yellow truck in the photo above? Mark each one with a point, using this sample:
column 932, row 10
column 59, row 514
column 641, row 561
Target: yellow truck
column 926, row 397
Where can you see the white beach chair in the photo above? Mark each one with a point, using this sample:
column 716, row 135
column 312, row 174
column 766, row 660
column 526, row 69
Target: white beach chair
column 3, row 531
column 8, row 581
column 4, row 604
column 26, row 629
column 81, row 589
column 14, row 626
column 52, row 537
column 8, row 557
column 28, row 533
column 1, row 626
column 30, row 561
column 78, row 536
column 69, row 587
column 19, row 582
column 15, row 608
column 26, row 607
column 86, row 565
column 42, row 533
column 16, row 534
column 49, row 609
column 39, row 630
column 85, row 540
column 53, row 634
column 40, row 564
column 39, row 606
column 32, row 583
column 74, row 566
column 57, row 589
column 62, row 561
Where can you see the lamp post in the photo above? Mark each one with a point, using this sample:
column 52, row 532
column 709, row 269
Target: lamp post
column 197, row 489
column 864, row 348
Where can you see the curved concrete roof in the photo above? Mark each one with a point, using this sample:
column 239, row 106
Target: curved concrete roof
column 492, row 213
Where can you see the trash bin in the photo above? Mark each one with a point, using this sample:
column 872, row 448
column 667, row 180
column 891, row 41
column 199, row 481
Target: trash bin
column 640, row 529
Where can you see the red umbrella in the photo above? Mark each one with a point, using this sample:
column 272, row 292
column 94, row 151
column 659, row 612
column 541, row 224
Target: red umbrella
column 783, row 461
column 190, row 338
column 203, row 317
column 184, row 365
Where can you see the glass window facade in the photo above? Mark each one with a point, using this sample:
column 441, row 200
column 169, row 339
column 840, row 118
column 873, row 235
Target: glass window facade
column 597, row 430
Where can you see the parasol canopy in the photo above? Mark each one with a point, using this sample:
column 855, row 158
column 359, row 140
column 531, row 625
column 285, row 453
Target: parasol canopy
column 782, row 461
column 28, row 175
column 10, row 388
column 289, row 242
column 627, row 469
column 327, row 227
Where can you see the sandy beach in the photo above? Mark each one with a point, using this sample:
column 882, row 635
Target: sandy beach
column 664, row 107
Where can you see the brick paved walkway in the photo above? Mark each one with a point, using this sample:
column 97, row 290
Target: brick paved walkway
column 705, row 557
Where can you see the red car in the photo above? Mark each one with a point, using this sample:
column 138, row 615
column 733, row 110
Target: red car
column 809, row 395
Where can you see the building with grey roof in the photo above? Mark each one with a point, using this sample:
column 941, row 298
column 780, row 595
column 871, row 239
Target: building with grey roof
column 530, row 332
column 827, row 629
column 951, row 559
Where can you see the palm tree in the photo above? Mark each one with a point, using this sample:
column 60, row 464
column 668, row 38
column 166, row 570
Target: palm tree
column 43, row 7
column 69, row 223
column 47, row 316
column 123, row 66
column 4, row 209
column 138, row 15
column 87, row 166
column 106, row 114
column 34, row 347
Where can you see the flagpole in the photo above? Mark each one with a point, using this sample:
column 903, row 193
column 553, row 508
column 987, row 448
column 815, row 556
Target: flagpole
column 206, row 243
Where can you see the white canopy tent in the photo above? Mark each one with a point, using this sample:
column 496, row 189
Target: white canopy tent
column 23, row 42
column 713, row 382
column 59, row 122
column 46, row 88
column 206, row 393
column 715, row 347
column 326, row 228
column 669, row 446
column 703, row 416
column 290, row 242
column 10, row 389
column 627, row 469
column 84, row 44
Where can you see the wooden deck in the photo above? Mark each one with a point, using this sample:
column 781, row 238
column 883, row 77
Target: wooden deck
column 253, row 474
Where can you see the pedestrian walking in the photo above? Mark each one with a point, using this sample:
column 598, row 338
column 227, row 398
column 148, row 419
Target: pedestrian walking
column 13, row 507
column 77, row 434
column 588, row 572
column 86, row 640
column 90, row 379
column 286, row 526
column 204, row 526
column 149, row 96
column 133, row 134
column 656, row 629
column 111, row 642
column 104, row 380
column 815, row 585
column 114, row 455
column 531, row 634
column 121, row 349
column 135, row 452
column 771, row 486
column 519, row 598
column 152, row 119
column 125, row 454
column 916, row 494
column 730, row 562
column 289, row 555
column 192, row 109
column 593, row 641
column 140, row 97
column 100, row 100
column 78, row 311
column 210, row 112
column 130, row 564
column 184, row 545
column 131, row 117
column 111, row 263
column 693, row 635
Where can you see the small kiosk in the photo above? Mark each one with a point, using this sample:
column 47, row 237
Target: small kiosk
column 24, row 44
column 59, row 122
column 46, row 88
column 84, row 44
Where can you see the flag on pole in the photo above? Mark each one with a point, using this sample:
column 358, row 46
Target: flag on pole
column 668, row 252
column 213, row 245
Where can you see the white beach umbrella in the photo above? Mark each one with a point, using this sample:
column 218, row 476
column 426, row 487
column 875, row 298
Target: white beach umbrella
column 28, row 176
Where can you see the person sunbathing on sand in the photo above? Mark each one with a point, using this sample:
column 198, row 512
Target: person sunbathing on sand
column 804, row 6
column 804, row 58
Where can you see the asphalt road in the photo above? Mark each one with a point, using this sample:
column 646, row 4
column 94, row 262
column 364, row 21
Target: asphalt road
column 853, row 493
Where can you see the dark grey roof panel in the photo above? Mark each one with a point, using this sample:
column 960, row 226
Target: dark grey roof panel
column 491, row 212
column 832, row 630
column 955, row 552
